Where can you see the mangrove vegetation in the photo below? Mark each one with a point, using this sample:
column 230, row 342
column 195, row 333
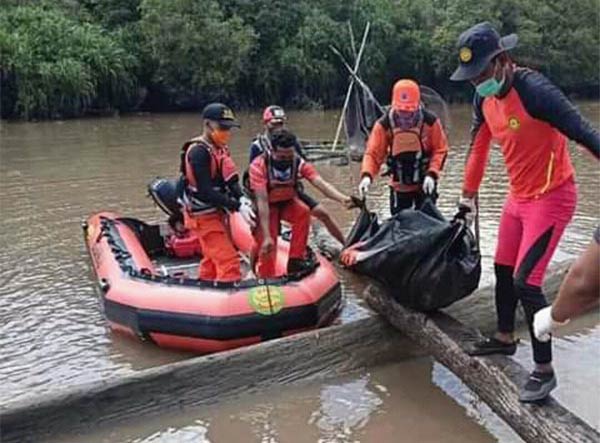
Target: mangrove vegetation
column 67, row 58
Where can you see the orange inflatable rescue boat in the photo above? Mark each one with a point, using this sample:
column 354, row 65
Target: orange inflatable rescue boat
column 147, row 274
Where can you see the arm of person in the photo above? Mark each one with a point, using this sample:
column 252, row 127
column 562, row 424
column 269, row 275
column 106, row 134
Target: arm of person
column 234, row 187
column 376, row 151
column 262, row 204
column 309, row 172
column 546, row 102
column 478, row 154
column 330, row 191
column 258, row 184
column 580, row 290
column 439, row 149
column 200, row 161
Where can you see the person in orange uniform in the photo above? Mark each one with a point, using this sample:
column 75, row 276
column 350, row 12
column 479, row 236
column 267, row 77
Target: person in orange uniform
column 274, row 118
column 532, row 120
column 274, row 176
column 211, row 189
column 413, row 141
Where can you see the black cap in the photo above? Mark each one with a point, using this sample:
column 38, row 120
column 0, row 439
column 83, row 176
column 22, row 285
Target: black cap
column 477, row 46
column 220, row 113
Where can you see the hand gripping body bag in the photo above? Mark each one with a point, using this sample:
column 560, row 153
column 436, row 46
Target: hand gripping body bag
column 425, row 261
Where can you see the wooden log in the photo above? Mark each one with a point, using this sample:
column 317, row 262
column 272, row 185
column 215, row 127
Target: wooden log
column 318, row 354
column 313, row 355
column 496, row 379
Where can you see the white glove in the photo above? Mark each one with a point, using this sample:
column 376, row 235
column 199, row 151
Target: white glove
column 363, row 186
column 247, row 211
column 544, row 324
column 429, row 185
column 467, row 210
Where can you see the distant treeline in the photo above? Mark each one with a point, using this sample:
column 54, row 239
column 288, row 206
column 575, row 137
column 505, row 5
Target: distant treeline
column 66, row 58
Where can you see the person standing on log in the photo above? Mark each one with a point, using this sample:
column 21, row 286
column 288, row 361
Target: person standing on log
column 274, row 118
column 415, row 145
column 579, row 292
column 531, row 119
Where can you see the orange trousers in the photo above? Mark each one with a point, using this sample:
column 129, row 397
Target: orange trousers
column 220, row 260
column 297, row 214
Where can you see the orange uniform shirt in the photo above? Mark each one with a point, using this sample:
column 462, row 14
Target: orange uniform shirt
column 379, row 144
column 259, row 175
column 531, row 123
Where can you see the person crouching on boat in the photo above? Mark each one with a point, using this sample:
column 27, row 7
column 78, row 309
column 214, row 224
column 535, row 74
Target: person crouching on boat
column 531, row 119
column 274, row 118
column 211, row 189
column 412, row 140
column 274, row 176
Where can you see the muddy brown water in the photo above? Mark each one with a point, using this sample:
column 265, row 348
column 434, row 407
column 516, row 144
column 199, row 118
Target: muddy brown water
column 53, row 335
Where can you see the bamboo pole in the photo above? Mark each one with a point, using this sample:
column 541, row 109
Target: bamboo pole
column 352, row 43
column 357, row 79
column 347, row 100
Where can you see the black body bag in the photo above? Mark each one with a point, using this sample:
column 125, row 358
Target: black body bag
column 424, row 261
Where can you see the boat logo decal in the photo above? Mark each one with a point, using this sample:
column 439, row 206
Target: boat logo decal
column 266, row 300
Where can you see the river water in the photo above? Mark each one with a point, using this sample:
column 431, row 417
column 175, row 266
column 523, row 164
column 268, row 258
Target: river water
column 53, row 335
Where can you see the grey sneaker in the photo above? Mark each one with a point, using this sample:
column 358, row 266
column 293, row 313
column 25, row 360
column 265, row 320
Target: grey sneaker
column 538, row 387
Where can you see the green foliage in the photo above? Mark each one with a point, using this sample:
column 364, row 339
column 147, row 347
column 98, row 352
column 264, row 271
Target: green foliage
column 196, row 50
column 61, row 68
column 63, row 57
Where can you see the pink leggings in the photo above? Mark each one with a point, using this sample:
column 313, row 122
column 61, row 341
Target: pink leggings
column 530, row 231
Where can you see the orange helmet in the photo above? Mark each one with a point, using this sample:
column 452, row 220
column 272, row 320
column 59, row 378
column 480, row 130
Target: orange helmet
column 406, row 96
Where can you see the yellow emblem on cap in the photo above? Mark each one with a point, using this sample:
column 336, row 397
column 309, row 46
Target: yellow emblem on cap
column 514, row 123
column 228, row 114
column 266, row 300
column 465, row 54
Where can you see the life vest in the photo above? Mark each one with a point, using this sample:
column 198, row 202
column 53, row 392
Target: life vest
column 407, row 157
column 222, row 169
column 264, row 142
column 281, row 184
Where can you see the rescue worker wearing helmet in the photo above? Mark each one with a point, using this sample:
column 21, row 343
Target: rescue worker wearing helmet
column 274, row 175
column 413, row 142
column 211, row 188
column 274, row 118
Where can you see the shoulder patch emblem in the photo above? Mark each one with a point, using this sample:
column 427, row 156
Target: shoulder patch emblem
column 514, row 123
